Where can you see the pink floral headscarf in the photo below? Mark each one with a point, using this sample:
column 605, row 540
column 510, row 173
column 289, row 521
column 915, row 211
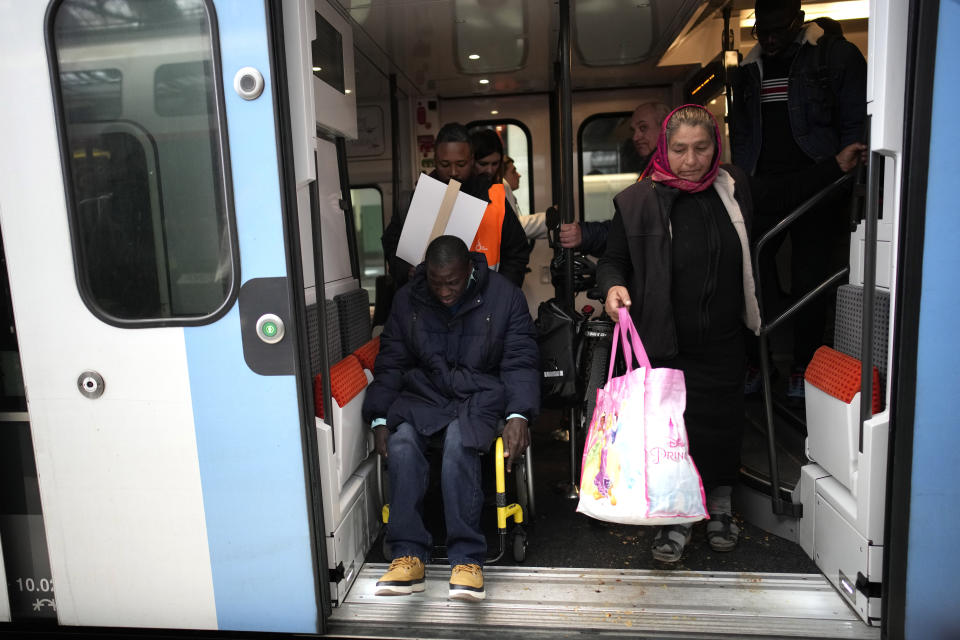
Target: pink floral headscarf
column 659, row 167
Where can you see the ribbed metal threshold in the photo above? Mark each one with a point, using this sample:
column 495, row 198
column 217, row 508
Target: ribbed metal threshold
column 564, row 603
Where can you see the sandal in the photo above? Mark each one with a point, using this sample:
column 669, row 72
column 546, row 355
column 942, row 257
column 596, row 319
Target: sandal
column 722, row 532
column 669, row 542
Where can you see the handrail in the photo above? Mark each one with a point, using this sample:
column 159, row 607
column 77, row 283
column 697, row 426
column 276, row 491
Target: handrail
column 874, row 180
column 779, row 506
column 808, row 204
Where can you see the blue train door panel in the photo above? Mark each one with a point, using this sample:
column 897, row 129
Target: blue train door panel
column 144, row 237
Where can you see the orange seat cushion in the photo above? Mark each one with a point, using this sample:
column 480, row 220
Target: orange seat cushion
column 838, row 375
column 346, row 381
column 367, row 354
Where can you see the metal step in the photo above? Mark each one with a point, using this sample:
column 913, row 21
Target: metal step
column 564, row 603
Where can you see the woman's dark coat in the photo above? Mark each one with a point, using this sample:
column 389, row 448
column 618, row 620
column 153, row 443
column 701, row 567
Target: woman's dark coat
column 639, row 245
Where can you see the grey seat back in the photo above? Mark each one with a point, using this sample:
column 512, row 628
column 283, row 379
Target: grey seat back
column 334, row 347
column 847, row 327
column 353, row 308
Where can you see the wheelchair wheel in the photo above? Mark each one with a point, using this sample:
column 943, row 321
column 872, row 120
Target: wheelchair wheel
column 520, row 471
column 519, row 544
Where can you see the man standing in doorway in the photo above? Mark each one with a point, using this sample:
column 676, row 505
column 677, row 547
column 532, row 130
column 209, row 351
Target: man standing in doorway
column 800, row 96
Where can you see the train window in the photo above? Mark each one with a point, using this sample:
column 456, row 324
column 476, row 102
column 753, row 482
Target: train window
column 148, row 199
column 517, row 146
column 368, row 218
column 92, row 93
column 184, row 89
column 608, row 162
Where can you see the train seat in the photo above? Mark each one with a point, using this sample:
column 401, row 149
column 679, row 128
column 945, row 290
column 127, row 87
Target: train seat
column 342, row 436
column 334, row 348
column 842, row 489
column 353, row 309
column 832, row 386
column 367, row 354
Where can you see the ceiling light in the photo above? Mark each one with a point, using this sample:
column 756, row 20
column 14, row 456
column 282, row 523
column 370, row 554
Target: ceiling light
column 714, row 101
column 483, row 81
column 494, row 112
column 347, row 91
column 849, row 10
column 317, row 69
column 474, row 56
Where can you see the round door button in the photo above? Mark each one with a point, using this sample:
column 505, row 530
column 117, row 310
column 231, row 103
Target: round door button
column 270, row 328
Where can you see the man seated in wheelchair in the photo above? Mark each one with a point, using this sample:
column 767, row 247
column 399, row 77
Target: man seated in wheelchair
column 458, row 354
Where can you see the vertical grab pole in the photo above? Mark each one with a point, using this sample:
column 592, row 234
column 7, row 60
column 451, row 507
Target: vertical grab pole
column 874, row 174
column 727, row 45
column 566, row 202
column 566, row 142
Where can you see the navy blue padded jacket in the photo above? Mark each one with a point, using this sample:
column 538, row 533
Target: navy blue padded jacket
column 479, row 364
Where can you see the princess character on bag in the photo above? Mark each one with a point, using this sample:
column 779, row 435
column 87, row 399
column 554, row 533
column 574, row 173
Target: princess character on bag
column 608, row 472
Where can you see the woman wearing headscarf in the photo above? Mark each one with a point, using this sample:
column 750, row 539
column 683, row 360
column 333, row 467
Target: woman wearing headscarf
column 678, row 257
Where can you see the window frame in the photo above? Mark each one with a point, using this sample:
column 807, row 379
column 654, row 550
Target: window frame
column 379, row 190
column 583, row 125
column 223, row 189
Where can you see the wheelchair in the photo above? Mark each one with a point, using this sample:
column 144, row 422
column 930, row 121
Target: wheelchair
column 519, row 511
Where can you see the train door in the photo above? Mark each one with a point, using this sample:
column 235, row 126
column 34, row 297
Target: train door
column 843, row 485
column 150, row 272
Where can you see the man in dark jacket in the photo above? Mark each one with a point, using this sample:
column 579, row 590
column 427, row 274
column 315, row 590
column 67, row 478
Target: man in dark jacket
column 453, row 155
column 458, row 354
column 799, row 97
column 645, row 125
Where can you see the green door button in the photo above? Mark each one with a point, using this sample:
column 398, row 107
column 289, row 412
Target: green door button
column 270, row 328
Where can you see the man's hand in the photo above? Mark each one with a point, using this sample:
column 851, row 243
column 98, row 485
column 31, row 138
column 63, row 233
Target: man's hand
column 617, row 297
column 516, row 439
column 380, row 435
column 851, row 155
column 570, row 235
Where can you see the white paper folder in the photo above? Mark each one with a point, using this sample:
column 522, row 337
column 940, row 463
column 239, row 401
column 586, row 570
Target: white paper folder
column 425, row 218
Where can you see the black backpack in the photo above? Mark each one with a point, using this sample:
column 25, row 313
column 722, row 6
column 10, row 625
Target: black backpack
column 558, row 339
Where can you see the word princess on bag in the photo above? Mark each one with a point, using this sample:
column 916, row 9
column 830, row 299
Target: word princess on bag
column 673, row 455
column 676, row 450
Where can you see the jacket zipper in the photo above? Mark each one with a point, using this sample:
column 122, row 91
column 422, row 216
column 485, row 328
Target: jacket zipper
column 413, row 330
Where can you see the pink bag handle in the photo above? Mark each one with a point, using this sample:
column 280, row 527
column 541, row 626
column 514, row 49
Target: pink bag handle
column 631, row 338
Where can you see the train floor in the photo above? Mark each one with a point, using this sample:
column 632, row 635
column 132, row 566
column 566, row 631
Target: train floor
column 560, row 537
